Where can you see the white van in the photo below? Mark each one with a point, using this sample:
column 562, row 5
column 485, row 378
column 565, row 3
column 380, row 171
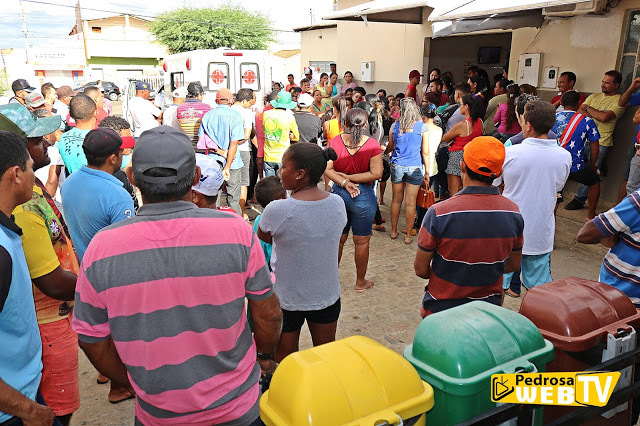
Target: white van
column 222, row 68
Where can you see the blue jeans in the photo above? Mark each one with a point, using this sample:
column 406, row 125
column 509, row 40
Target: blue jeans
column 583, row 191
column 361, row 210
column 271, row 168
column 409, row 174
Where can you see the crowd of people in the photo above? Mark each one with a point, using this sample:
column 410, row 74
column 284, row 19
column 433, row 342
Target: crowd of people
column 131, row 240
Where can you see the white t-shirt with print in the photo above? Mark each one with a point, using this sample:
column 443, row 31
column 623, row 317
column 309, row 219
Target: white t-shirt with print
column 248, row 118
column 533, row 173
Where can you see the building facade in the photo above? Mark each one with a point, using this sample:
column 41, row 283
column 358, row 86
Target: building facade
column 453, row 34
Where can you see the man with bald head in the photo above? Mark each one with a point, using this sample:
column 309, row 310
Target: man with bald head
column 221, row 131
column 98, row 97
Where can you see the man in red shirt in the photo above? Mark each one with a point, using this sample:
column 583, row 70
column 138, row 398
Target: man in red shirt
column 566, row 81
column 412, row 90
column 291, row 84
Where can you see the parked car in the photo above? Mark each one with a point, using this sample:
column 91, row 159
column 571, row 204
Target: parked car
column 111, row 91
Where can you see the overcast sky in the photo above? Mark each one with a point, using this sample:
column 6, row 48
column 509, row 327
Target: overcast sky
column 46, row 22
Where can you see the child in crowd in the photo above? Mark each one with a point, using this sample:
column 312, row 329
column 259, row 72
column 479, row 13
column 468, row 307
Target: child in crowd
column 305, row 230
column 205, row 193
column 267, row 190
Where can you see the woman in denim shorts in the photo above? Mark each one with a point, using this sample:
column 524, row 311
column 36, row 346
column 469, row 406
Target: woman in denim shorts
column 409, row 143
column 358, row 165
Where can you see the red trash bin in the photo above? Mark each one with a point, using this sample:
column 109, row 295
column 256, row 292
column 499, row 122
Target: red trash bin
column 588, row 323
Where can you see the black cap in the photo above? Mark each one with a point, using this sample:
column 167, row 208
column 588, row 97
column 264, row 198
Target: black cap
column 195, row 89
column 102, row 142
column 21, row 84
column 167, row 148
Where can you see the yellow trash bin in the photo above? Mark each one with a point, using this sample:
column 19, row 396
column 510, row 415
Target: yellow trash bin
column 353, row 381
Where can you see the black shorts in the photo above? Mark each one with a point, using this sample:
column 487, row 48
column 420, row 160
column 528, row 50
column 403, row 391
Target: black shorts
column 586, row 176
column 293, row 320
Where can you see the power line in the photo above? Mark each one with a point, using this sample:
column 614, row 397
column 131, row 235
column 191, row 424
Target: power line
column 211, row 23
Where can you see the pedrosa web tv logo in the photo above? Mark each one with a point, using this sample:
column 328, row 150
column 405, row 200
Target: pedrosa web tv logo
column 570, row 389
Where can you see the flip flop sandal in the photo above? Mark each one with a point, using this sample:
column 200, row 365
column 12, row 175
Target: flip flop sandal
column 393, row 235
column 511, row 293
column 408, row 240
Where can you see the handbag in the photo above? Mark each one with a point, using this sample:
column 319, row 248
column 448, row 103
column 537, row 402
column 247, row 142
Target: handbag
column 426, row 198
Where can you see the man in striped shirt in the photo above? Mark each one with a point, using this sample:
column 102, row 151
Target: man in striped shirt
column 618, row 229
column 468, row 242
column 160, row 302
column 190, row 112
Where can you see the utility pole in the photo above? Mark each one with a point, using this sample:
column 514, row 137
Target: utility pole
column 24, row 31
column 311, row 16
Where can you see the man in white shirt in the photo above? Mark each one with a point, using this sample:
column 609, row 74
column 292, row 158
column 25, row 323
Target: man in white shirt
column 144, row 114
column 170, row 115
column 533, row 173
column 308, row 73
column 245, row 98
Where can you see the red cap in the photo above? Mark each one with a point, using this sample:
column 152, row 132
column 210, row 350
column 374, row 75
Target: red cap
column 484, row 155
column 128, row 142
column 224, row 94
column 415, row 73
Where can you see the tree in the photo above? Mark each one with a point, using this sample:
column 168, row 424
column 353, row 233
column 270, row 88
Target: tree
column 230, row 25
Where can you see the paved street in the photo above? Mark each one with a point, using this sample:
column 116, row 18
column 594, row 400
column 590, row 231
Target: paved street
column 388, row 313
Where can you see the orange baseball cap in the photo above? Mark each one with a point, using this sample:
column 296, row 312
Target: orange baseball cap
column 224, row 94
column 484, row 155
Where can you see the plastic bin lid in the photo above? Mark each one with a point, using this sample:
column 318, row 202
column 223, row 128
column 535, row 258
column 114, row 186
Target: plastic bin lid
column 350, row 381
column 576, row 314
column 461, row 347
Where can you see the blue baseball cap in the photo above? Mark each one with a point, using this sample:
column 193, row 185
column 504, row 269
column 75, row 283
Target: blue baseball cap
column 142, row 85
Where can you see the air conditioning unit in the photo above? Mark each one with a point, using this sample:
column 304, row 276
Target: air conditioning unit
column 595, row 6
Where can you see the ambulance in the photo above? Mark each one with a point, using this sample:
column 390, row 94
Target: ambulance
column 223, row 68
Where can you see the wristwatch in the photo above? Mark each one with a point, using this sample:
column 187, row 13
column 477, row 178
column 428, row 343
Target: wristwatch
column 264, row 357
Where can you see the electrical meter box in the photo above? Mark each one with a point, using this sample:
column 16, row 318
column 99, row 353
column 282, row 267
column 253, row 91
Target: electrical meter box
column 529, row 68
column 366, row 71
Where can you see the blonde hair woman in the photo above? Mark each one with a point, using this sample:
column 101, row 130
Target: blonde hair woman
column 409, row 142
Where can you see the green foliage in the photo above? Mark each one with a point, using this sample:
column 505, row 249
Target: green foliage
column 187, row 29
column 4, row 82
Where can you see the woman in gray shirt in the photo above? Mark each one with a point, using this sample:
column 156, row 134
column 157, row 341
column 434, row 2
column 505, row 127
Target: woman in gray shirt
column 305, row 231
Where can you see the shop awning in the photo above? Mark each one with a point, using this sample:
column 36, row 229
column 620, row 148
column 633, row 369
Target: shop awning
column 486, row 8
column 407, row 12
column 508, row 21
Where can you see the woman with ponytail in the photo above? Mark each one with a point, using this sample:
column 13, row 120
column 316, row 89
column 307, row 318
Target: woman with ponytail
column 505, row 118
column 309, row 221
column 358, row 165
column 459, row 135
column 480, row 92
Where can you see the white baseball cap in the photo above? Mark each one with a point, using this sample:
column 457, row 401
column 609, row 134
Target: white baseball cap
column 305, row 100
column 210, row 177
column 180, row 92
column 307, row 70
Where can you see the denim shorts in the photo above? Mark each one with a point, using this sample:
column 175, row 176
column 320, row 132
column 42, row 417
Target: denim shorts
column 360, row 210
column 270, row 169
column 409, row 174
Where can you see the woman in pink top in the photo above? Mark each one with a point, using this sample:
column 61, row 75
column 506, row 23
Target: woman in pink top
column 358, row 165
column 348, row 83
column 505, row 118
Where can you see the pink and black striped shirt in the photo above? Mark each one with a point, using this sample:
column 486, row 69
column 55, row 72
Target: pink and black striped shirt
column 169, row 287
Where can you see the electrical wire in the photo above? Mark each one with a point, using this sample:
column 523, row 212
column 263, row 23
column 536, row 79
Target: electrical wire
column 210, row 22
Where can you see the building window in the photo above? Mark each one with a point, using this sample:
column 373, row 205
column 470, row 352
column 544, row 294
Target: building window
column 96, row 29
column 319, row 67
column 630, row 60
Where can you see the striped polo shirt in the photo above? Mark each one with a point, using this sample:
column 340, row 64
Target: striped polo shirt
column 169, row 287
column 621, row 266
column 189, row 116
column 471, row 234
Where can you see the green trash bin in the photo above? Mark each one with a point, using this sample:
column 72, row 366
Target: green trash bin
column 456, row 351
